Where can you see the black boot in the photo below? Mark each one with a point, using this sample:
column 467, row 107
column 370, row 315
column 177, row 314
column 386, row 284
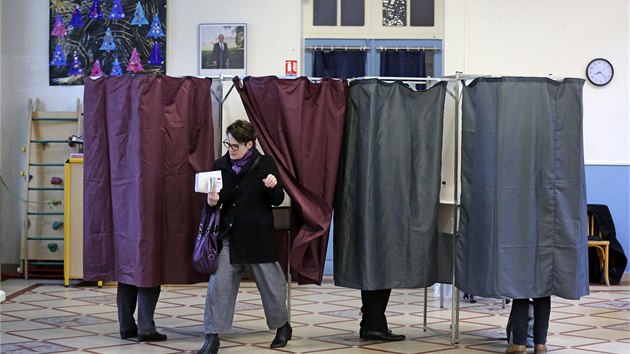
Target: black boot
column 129, row 334
column 151, row 337
column 283, row 334
column 211, row 345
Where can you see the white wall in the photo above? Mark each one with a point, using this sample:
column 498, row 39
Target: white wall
column 558, row 38
column 24, row 71
column 273, row 35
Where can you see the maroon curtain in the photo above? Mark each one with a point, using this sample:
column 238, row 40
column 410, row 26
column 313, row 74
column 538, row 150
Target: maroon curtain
column 145, row 138
column 301, row 124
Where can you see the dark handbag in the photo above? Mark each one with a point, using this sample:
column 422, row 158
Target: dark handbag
column 205, row 256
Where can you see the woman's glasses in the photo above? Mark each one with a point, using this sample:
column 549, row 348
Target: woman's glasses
column 233, row 147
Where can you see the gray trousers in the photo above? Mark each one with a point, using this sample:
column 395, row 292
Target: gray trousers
column 126, row 298
column 223, row 288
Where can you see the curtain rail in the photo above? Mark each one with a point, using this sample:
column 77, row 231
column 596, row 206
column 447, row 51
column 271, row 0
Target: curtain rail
column 410, row 79
column 366, row 48
column 411, row 49
column 333, row 48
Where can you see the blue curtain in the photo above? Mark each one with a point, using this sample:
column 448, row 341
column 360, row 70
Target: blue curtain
column 403, row 63
column 522, row 232
column 339, row 64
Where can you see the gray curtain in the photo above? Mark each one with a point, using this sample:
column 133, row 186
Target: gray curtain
column 522, row 232
column 387, row 196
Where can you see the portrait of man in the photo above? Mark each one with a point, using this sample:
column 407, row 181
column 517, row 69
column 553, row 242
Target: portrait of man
column 222, row 49
column 220, row 56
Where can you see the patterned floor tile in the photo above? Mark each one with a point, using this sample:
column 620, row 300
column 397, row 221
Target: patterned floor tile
column 33, row 347
column 46, row 317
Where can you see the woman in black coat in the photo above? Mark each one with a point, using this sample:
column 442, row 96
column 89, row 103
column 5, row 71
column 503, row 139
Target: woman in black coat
column 250, row 189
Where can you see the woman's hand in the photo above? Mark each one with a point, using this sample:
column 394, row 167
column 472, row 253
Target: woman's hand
column 270, row 181
column 213, row 198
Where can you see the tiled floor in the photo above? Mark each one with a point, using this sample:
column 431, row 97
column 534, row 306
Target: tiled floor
column 46, row 317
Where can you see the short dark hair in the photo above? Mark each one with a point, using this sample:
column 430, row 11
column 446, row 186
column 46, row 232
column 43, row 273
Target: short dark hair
column 242, row 130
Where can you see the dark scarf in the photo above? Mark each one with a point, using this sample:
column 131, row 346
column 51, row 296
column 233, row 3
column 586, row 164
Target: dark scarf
column 237, row 165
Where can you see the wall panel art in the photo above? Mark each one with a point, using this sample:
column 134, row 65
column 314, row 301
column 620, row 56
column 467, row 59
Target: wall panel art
column 105, row 37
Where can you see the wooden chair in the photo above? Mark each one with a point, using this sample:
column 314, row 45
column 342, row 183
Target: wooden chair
column 602, row 246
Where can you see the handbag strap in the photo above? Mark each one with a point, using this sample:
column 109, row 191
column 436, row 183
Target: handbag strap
column 204, row 219
column 213, row 225
column 256, row 162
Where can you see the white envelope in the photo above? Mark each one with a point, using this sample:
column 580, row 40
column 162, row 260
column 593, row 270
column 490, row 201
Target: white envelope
column 205, row 181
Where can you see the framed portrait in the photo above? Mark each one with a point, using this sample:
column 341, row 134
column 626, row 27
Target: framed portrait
column 223, row 49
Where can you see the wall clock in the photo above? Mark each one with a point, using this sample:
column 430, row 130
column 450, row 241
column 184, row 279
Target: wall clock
column 599, row 72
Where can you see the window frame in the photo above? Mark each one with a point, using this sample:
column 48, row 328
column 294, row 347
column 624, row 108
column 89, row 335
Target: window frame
column 373, row 59
column 373, row 28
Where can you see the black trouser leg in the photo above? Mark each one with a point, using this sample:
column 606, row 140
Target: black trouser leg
column 520, row 307
column 373, row 309
column 126, row 298
column 147, row 301
column 542, row 311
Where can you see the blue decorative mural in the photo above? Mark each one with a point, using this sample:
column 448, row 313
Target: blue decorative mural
column 105, row 37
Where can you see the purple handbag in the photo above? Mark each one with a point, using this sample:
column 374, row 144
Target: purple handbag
column 205, row 256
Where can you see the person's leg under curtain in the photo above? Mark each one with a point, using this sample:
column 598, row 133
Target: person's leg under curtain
column 542, row 312
column 147, row 302
column 374, row 304
column 373, row 322
column 520, row 307
column 126, row 299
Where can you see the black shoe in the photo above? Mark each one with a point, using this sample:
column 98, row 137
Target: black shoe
column 129, row 334
column 211, row 345
column 153, row 337
column 384, row 336
column 283, row 334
